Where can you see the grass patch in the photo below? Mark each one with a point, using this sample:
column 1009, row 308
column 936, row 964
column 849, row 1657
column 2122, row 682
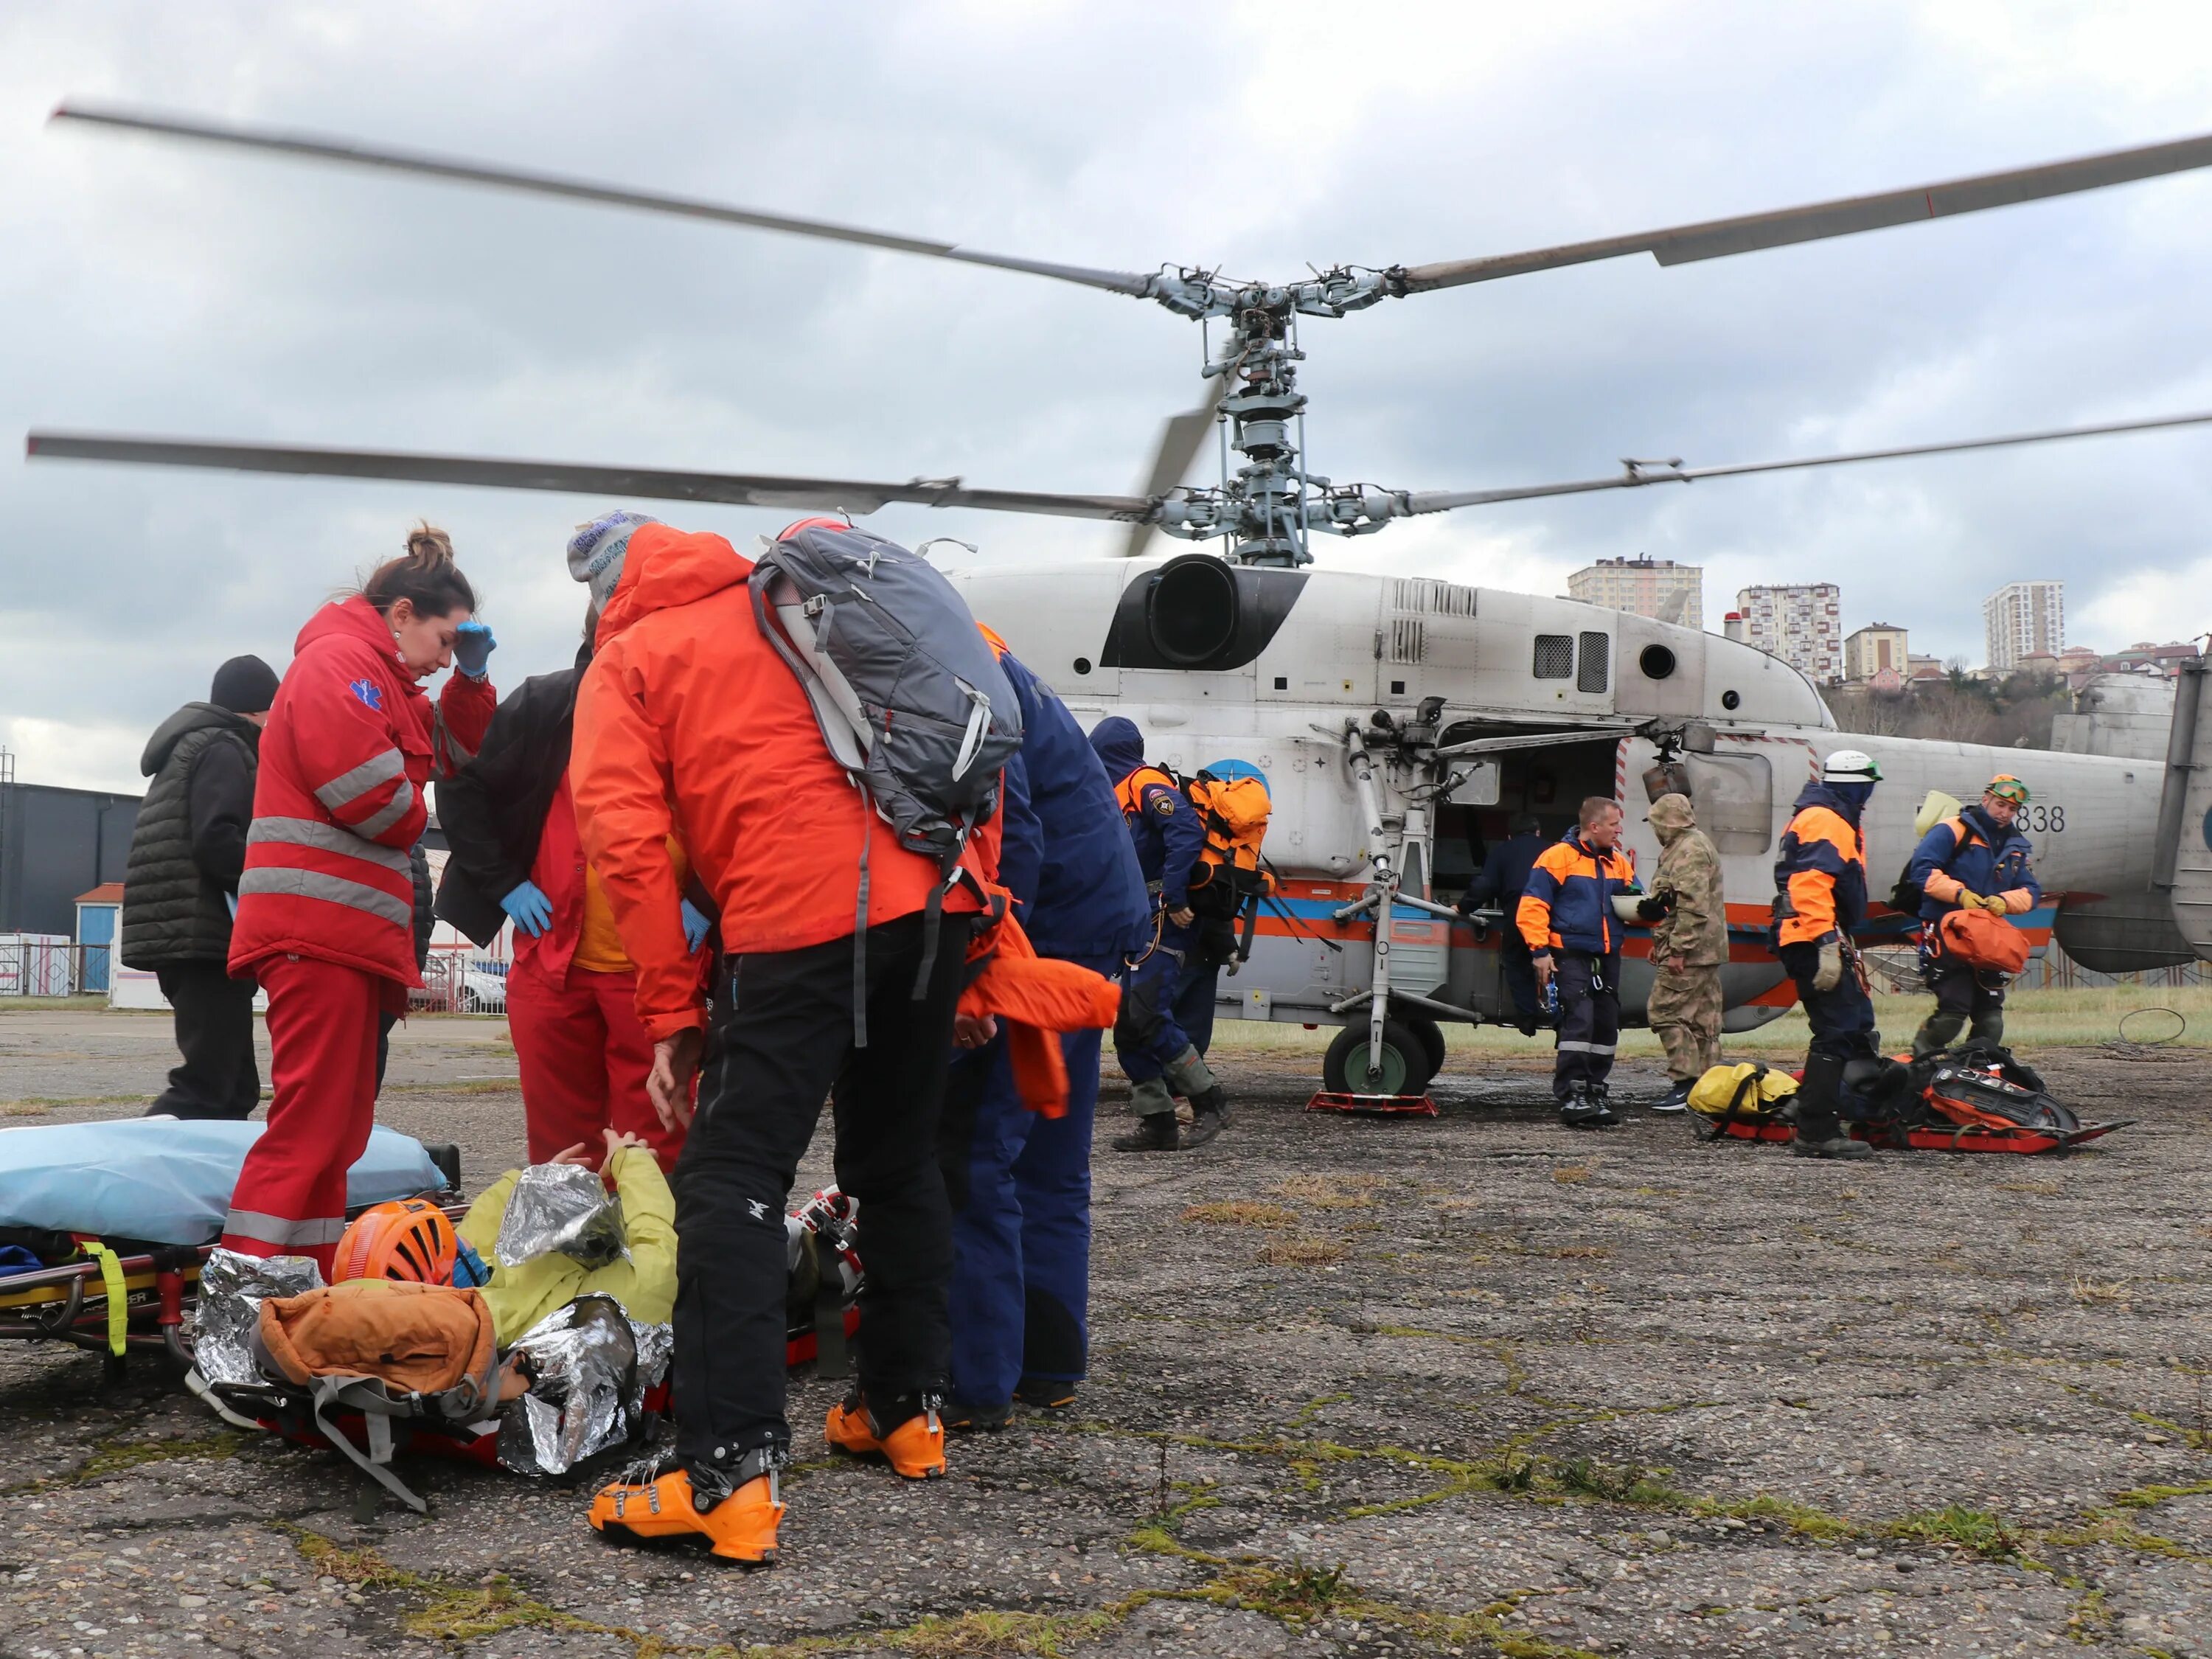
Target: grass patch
column 1045, row 1636
column 114, row 1456
column 364, row 1569
column 1802, row 1519
column 2092, row 1292
column 1321, row 1192
column 1241, row 1213
column 1301, row 1252
column 1583, row 1252
column 1586, row 1477
column 1987, row 1535
column 1570, row 1174
column 1300, row 1590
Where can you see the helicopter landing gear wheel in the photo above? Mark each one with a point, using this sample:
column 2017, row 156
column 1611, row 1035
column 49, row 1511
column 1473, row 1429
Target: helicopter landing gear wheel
column 1430, row 1036
column 1404, row 1063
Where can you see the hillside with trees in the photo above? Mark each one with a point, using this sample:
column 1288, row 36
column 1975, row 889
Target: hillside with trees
column 2016, row 711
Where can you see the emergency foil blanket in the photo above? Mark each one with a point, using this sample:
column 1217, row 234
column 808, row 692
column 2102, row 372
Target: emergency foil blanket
column 590, row 1367
column 564, row 1207
column 233, row 1287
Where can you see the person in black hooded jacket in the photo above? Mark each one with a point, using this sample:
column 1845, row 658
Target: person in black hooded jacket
column 180, row 885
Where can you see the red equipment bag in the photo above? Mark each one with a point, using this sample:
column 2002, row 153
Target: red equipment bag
column 1981, row 940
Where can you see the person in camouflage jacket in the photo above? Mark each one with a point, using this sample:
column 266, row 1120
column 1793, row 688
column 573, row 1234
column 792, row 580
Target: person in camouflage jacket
column 1689, row 945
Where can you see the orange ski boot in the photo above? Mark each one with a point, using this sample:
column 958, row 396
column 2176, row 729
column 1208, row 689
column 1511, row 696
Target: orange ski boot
column 740, row 1526
column 915, row 1449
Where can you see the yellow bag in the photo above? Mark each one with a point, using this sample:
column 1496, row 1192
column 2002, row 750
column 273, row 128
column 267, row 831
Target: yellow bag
column 1753, row 1091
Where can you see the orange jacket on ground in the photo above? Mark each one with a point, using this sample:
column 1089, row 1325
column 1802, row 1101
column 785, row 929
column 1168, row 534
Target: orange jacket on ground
column 337, row 800
column 1035, row 999
column 688, row 722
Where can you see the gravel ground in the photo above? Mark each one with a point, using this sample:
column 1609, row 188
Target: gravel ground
column 1468, row 1385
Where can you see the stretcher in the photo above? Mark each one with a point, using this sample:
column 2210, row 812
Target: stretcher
column 1947, row 1137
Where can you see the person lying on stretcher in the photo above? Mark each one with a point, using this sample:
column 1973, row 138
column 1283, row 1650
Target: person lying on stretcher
column 642, row 1279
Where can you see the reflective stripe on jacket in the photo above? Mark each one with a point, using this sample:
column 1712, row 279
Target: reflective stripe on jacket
column 1969, row 853
column 1568, row 902
column 337, row 801
column 1821, row 876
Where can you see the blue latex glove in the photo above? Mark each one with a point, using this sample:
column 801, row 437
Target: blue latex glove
column 473, row 645
column 532, row 910
column 695, row 926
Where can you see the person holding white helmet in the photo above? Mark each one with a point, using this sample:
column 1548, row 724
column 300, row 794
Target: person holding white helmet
column 1821, row 898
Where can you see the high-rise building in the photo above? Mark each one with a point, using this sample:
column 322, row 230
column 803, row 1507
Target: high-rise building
column 1869, row 650
column 1802, row 624
column 2023, row 617
column 1658, row 588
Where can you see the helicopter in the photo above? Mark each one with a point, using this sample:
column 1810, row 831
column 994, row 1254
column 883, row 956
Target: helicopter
column 1401, row 720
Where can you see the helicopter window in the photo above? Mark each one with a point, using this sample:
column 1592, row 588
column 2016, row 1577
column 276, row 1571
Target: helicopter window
column 1731, row 699
column 1397, row 688
column 1656, row 661
column 1555, row 656
column 1597, row 662
column 1734, row 795
column 1282, row 682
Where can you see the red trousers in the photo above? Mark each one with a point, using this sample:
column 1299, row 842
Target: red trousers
column 583, row 1057
column 290, row 1199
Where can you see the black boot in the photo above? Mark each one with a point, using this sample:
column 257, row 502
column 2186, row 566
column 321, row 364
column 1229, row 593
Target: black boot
column 1821, row 1133
column 1155, row 1133
column 1209, row 1116
column 1584, row 1109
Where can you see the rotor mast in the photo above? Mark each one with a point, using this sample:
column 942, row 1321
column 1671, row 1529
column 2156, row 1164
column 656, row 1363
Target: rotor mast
column 1268, row 507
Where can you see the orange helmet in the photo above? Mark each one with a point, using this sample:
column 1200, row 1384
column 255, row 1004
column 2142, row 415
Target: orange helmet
column 408, row 1239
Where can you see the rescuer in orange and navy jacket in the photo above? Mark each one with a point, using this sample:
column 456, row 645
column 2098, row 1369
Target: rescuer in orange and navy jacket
column 1820, row 900
column 326, row 903
column 1167, row 1004
column 687, row 721
column 1020, row 1183
column 1566, row 915
column 1567, row 902
column 1978, row 860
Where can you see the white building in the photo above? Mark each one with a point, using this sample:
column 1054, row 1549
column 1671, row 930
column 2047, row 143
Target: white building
column 1877, row 648
column 1645, row 587
column 1802, row 624
column 2024, row 617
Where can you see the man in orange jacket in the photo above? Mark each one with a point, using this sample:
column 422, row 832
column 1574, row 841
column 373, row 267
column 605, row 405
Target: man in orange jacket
column 688, row 722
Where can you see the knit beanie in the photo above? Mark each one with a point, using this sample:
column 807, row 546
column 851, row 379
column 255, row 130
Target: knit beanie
column 244, row 685
column 597, row 551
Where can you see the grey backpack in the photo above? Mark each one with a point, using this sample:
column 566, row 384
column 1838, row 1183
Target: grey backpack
column 907, row 693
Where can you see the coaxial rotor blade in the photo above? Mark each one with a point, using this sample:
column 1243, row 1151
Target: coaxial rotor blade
column 643, row 484
column 1179, row 438
column 1717, row 238
column 1637, row 474
column 547, row 184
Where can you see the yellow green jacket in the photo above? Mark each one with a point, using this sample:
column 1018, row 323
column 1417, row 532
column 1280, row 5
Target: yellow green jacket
column 645, row 1285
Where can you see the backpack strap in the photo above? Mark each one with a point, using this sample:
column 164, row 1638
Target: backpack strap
column 376, row 1418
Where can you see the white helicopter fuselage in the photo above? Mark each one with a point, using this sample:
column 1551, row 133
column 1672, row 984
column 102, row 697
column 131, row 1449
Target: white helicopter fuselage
column 1536, row 704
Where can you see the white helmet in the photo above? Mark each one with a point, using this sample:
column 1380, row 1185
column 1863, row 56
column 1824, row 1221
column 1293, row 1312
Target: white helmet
column 1851, row 766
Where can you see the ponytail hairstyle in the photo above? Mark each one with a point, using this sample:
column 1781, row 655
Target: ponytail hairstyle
column 425, row 575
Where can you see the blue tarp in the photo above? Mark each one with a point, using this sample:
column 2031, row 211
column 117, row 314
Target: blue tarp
column 165, row 1180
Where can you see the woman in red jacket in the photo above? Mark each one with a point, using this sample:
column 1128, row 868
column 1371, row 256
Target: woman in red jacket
column 325, row 908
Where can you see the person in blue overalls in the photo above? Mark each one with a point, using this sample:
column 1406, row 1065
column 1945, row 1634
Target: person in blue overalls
column 1020, row 1184
column 1167, row 1005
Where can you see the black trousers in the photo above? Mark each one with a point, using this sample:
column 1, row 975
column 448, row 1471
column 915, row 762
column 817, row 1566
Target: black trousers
column 1520, row 972
column 782, row 1041
column 1590, row 1019
column 1960, row 993
column 1842, row 1019
column 220, row 1076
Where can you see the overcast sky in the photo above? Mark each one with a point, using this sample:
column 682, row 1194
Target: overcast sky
column 162, row 288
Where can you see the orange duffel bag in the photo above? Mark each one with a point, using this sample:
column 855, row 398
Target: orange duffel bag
column 1981, row 940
